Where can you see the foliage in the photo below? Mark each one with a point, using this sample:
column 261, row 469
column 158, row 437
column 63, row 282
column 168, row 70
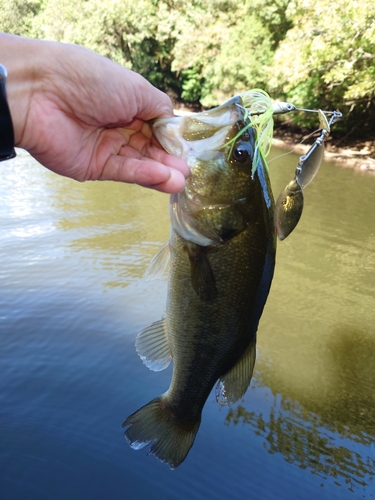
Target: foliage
column 314, row 53
column 334, row 64
column 16, row 16
column 223, row 49
column 134, row 34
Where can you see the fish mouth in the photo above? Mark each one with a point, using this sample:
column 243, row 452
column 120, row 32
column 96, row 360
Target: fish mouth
column 200, row 135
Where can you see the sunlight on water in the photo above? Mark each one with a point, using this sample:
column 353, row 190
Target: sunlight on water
column 73, row 297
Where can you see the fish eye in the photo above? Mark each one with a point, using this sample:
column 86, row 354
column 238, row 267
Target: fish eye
column 240, row 154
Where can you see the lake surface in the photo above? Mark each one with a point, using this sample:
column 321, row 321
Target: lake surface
column 73, row 298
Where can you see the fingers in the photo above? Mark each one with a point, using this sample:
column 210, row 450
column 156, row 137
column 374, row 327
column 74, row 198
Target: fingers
column 151, row 102
column 140, row 143
column 161, row 156
column 145, row 172
column 126, row 155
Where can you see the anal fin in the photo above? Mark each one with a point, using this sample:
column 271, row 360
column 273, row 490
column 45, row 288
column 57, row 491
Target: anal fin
column 153, row 346
column 233, row 384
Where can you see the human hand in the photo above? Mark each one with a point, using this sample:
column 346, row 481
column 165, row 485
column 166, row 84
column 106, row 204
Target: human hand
column 86, row 117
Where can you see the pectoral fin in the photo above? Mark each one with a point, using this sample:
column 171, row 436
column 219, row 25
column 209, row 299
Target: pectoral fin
column 233, row 384
column 158, row 263
column 153, row 346
column 202, row 276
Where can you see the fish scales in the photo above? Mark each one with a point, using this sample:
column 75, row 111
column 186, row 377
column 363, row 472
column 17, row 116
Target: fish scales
column 201, row 331
column 222, row 255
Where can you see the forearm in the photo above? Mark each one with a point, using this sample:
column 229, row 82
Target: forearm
column 40, row 70
column 83, row 116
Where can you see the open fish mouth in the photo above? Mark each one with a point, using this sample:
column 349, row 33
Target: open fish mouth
column 205, row 136
column 201, row 135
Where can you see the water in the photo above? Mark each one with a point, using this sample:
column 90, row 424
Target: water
column 73, row 298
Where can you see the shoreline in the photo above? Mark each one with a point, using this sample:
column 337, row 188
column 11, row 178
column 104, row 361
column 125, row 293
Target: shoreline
column 361, row 160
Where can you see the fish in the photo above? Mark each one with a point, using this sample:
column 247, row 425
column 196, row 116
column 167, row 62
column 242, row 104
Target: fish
column 222, row 251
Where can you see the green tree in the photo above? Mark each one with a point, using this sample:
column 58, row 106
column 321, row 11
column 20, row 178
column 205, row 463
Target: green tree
column 16, row 16
column 222, row 48
column 138, row 35
column 314, row 53
column 328, row 59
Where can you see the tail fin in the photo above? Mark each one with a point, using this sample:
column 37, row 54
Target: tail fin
column 155, row 423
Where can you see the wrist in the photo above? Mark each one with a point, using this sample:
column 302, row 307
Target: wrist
column 6, row 126
column 18, row 55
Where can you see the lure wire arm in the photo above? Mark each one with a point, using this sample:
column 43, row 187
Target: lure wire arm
column 281, row 108
column 266, row 107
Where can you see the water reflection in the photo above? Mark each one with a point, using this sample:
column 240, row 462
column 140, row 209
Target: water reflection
column 351, row 355
column 316, row 342
column 317, row 337
column 64, row 244
column 121, row 225
column 334, row 379
column 303, row 440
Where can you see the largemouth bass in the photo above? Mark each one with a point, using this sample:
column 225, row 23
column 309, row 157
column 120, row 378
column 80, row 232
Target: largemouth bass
column 222, row 256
